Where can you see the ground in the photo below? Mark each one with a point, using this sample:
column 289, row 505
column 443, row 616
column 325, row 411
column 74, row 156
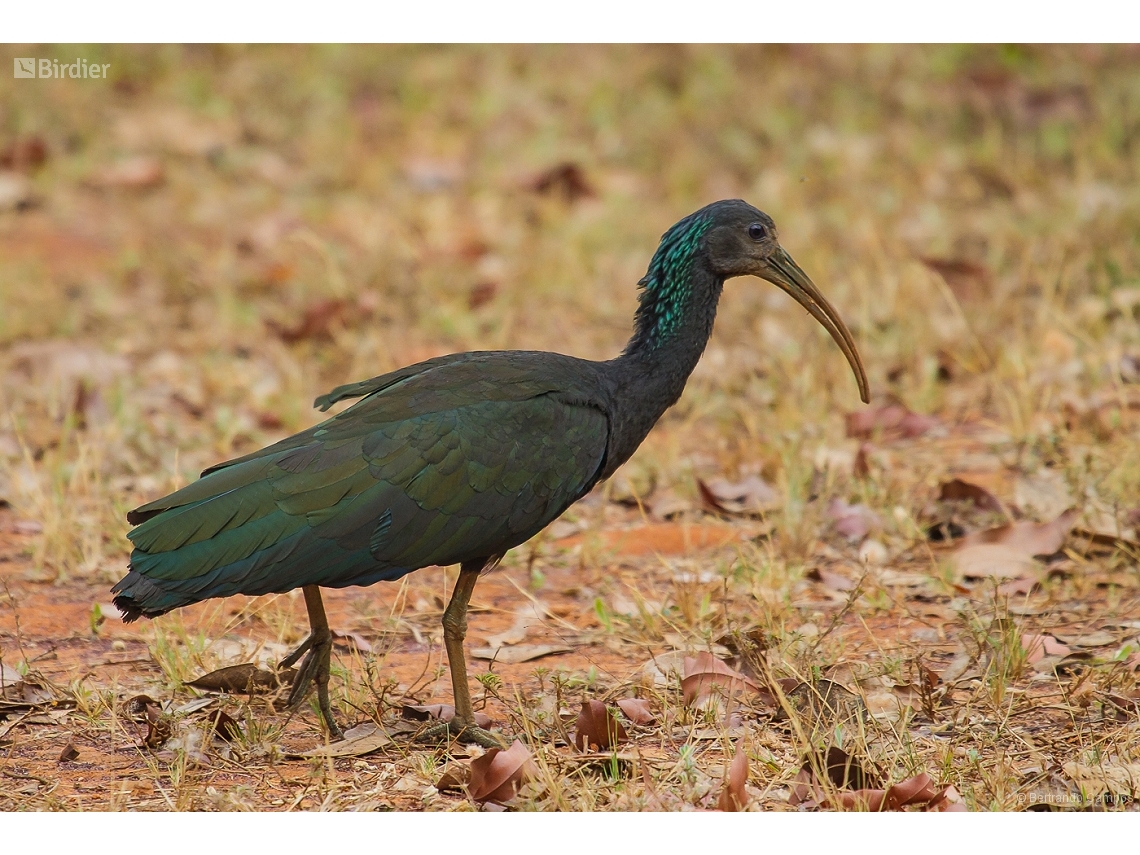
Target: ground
column 939, row 592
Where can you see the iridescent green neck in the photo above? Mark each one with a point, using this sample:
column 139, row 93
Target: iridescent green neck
column 667, row 287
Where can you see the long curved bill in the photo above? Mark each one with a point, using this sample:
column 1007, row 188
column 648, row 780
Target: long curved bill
column 783, row 272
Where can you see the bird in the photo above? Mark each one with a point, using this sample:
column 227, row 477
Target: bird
column 453, row 460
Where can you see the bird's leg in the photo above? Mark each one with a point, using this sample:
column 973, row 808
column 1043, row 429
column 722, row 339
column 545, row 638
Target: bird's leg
column 317, row 649
column 462, row 726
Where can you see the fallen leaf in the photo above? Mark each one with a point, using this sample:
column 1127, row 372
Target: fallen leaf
column 455, row 776
column 1112, row 779
column 135, row 173
column 356, row 639
column 968, row 280
column 1037, row 647
column 637, row 710
column 360, row 740
column 749, row 496
column 892, row 420
column 949, row 800
column 241, row 679
column 1008, row 551
column 734, row 796
column 851, row 787
column 498, row 774
column 143, row 709
column 317, row 322
column 566, row 180
column 704, row 675
column 1027, row 537
column 853, row 522
column 958, row 490
column 996, row 560
column 481, row 294
column 439, row 712
column 24, row 154
column 224, row 725
column 1018, row 585
column 1088, row 639
column 597, row 726
column 513, row 654
column 831, row 579
column 837, row 767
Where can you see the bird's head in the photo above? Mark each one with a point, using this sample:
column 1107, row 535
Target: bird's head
column 741, row 241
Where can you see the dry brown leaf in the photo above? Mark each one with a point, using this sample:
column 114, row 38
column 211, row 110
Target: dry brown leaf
column 317, row 322
column 1027, row 537
column 748, row 496
column 354, row 639
column 704, row 674
column 224, row 725
column 891, row 419
column 565, row 180
column 861, row 467
column 667, row 504
column 597, row 728
column 947, row 801
column 1037, row 647
column 1018, row 585
column 637, row 710
column 967, row 280
column 24, row 154
column 513, row 654
column 498, row 774
column 847, row 788
column 958, row 490
column 455, row 776
column 241, row 679
column 831, row 579
column 143, row 709
column 853, row 522
column 135, row 173
column 438, row 712
column 1112, row 779
column 734, row 795
column 1008, row 551
column 481, row 294
column 360, row 740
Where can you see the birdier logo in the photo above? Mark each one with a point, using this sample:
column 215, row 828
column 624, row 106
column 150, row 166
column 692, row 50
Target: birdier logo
column 30, row 66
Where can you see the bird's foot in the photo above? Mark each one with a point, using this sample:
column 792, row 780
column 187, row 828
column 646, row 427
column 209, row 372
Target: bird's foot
column 468, row 734
column 317, row 649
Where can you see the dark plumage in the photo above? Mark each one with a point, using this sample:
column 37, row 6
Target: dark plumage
column 451, row 461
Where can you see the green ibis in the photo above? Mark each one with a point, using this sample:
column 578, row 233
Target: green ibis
column 450, row 461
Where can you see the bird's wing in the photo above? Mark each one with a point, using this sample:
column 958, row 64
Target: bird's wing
column 383, row 381
column 340, row 393
column 437, row 470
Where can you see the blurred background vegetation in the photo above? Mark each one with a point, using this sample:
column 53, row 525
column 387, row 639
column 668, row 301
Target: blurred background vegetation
column 193, row 249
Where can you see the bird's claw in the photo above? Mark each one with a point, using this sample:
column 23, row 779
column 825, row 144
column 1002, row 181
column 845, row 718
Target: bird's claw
column 315, row 666
column 468, row 734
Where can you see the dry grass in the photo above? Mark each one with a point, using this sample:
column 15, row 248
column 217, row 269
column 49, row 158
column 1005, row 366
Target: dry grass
column 974, row 213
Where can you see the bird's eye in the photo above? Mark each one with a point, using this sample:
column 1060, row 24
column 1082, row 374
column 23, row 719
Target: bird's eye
column 757, row 231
